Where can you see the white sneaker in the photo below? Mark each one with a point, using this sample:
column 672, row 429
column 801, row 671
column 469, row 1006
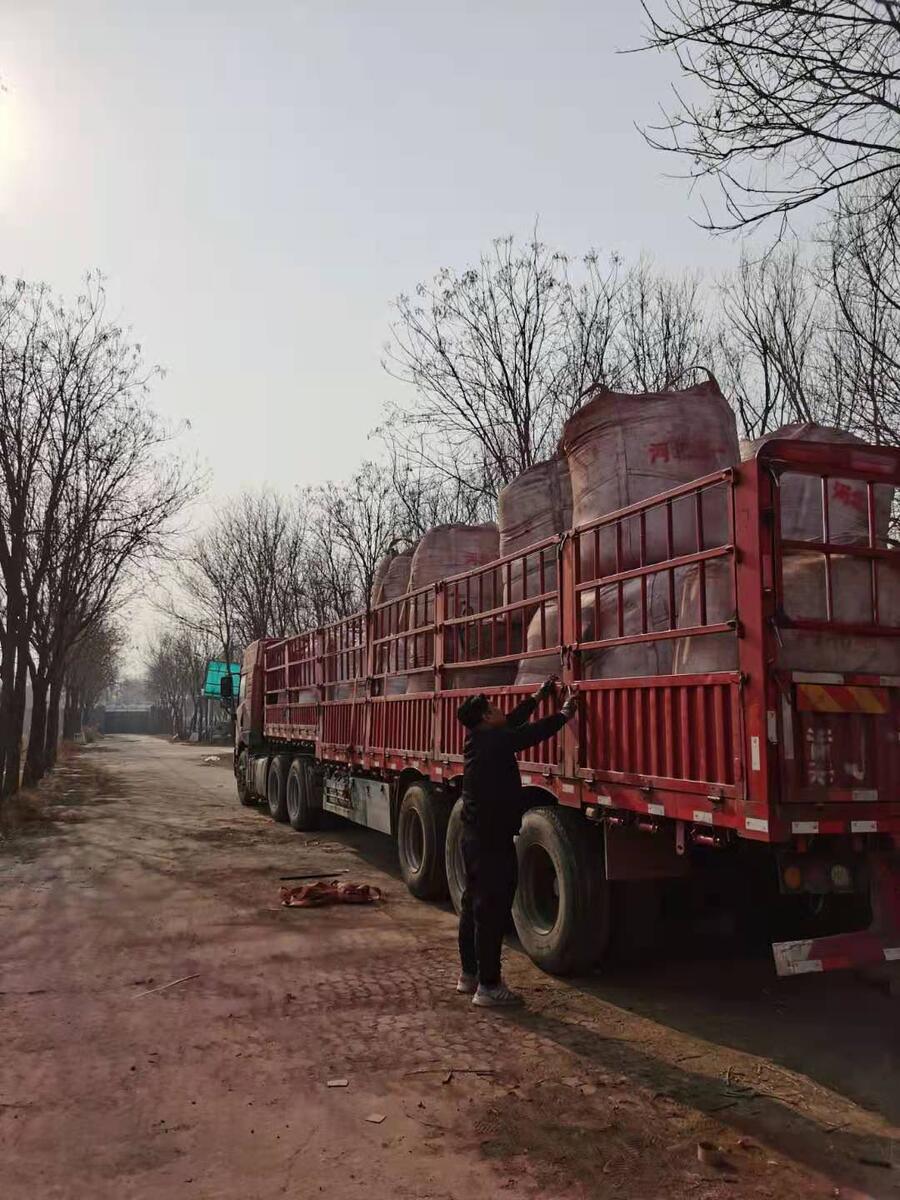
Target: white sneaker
column 466, row 984
column 498, row 996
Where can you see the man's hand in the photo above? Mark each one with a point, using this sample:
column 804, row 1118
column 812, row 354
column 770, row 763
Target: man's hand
column 569, row 705
column 547, row 688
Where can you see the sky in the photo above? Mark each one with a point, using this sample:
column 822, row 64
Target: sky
column 258, row 181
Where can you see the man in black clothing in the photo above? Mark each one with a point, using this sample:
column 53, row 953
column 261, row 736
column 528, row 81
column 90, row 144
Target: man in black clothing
column 492, row 814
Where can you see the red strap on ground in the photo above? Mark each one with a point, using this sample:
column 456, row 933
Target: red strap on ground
column 322, row 892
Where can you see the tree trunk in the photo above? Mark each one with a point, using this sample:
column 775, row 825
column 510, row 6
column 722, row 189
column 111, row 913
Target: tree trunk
column 70, row 714
column 35, row 762
column 12, row 713
column 16, row 728
column 51, row 738
column 7, row 688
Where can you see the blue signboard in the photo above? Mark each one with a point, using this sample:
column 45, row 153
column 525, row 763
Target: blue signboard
column 212, row 685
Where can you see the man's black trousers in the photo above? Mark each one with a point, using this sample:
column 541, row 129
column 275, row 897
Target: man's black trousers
column 491, row 876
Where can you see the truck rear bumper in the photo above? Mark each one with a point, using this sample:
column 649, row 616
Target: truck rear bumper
column 836, row 953
column 878, row 944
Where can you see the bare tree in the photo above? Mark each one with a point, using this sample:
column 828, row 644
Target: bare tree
column 427, row 497
column 364, row 519
column 861, row 273
column 175, row 662
column 662, row 330
column 791, row 104
column 92, row 669
column 498, row 355
column 797, row 101
column 334, row 584
column 114, row 515
column 243, row 578
column 769, row 341
column 72, row 388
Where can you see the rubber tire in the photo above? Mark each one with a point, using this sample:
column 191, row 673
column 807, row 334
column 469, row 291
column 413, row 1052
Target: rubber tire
column 579, row 935
column 426, row 879
column 302, row 814
column 453, row 863
column 276, row 790
column 241, row 774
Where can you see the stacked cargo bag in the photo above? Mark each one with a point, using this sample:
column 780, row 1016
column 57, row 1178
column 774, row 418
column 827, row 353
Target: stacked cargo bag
column 622, row 449
column 378, row 582
column 803, row 591
column 800, row 496
column 346, row 691
column 636, row 658
column 391, row 583
column 445, row 551
column 396, row 580
column 537, row 505
column 803, row 598
column 804, row 576
column 706, row 652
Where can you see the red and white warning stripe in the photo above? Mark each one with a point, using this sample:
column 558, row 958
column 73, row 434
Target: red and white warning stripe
column 836, row 953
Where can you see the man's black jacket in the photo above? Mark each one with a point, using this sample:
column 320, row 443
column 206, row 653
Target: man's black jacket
column 492, row 800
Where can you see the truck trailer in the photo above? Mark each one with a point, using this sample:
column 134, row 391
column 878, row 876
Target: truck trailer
column 778, row 756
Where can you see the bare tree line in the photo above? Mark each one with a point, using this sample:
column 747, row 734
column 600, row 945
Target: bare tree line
column 498, row 356
column 270, row 565
column 175, row 664
column 793, row 107
column 494, row 359
column 87, row 493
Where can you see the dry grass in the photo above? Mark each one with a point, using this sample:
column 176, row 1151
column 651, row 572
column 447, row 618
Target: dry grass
column 32, row 811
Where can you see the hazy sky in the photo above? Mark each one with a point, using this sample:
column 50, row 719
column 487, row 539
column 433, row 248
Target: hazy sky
column 259, row 180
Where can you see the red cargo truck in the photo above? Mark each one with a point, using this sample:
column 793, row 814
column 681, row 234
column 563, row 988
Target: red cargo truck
column 784, row 773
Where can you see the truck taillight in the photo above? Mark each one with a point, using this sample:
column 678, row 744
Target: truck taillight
column 792, row 878
column 817, row 874
column 841, row 877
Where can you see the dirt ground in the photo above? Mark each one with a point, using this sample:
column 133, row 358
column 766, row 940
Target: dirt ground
column 145, row 870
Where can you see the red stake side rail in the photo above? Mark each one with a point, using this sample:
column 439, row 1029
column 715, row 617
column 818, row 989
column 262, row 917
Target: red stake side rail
column 378, row 692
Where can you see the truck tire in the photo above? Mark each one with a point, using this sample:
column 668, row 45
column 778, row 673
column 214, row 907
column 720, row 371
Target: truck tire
column 561, row 909
column 302, row 813
column 421, row 839
column 453, row 860
column 276, row 789
column 242, row 778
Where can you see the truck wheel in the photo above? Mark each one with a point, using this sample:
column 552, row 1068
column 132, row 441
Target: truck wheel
column 561, row 909
column 421, row 838
column 275, row 787
column 453, row 860
column 242, row 778
column 302, row 813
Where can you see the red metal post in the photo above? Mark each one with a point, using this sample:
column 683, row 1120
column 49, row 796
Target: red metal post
column 754, row 515
column 568, row 603
column 440, row 609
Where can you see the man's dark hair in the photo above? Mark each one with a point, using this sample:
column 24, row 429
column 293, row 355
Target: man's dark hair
column 471, row 712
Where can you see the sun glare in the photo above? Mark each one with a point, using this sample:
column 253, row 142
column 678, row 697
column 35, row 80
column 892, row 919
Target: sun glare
column 12, row 140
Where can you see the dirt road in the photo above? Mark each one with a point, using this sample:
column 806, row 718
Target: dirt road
column 148, row 871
